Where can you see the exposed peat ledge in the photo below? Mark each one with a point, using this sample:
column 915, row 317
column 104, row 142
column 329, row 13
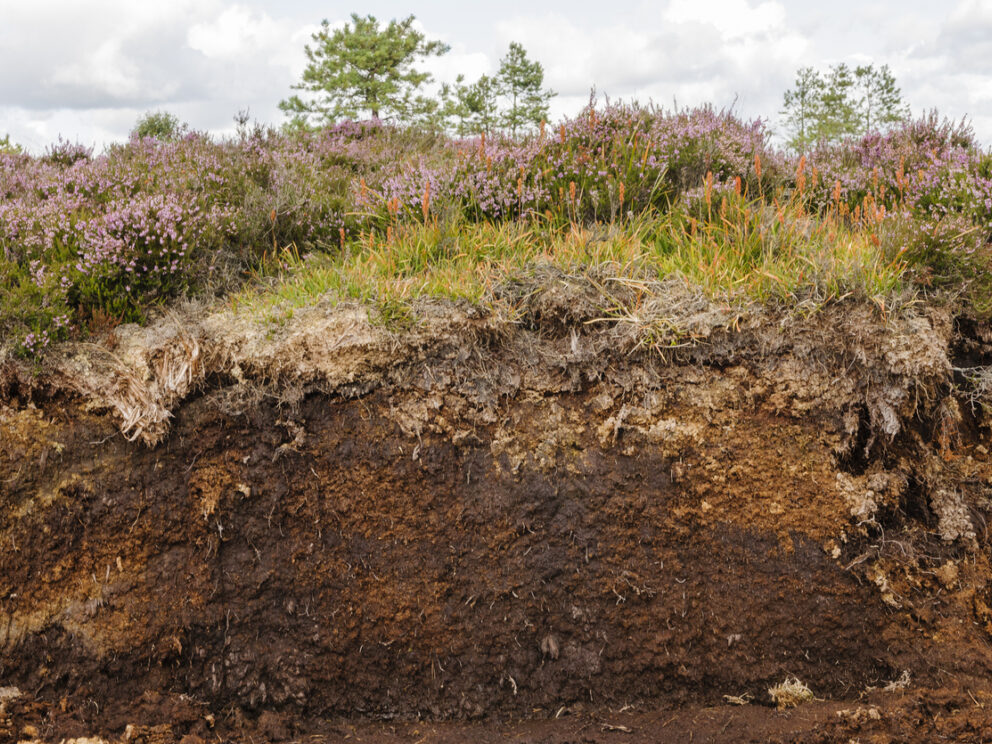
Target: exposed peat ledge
column 211, row 524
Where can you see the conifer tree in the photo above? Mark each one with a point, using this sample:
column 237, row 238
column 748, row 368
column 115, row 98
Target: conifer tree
column 838, row 117
column 879, row 101
column 363, row 68
column 473, row 107
column 844, row 103
column 521, row 81
column 801, row 108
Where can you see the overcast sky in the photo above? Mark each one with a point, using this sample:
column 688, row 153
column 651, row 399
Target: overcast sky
column 87, row 69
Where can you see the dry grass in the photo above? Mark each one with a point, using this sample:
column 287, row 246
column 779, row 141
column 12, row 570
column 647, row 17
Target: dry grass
column 738, row 252
column 142, row 391
column 790, row 693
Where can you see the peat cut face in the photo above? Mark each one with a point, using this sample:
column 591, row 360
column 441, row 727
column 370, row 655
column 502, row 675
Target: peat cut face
column 571, row 550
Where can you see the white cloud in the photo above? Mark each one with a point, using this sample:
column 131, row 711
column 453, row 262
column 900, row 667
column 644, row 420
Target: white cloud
column 951, row 68
column 734, row 19
column 105, row 62
column 105, row 69
column 241, row 34
column 695, row 52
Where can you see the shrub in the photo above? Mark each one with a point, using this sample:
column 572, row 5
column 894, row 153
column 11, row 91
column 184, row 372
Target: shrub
column 160, row 125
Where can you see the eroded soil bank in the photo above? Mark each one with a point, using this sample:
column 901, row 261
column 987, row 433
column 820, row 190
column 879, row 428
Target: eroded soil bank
column 538, row 531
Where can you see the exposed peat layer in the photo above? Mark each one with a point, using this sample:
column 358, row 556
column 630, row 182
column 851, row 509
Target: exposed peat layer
column 544, row 528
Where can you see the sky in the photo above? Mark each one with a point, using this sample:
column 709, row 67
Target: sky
column 86, row 70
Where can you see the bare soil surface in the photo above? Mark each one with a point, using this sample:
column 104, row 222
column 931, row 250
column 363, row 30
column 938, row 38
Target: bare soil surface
column 465, row 532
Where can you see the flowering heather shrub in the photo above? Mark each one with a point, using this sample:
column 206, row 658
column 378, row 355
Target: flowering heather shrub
column 932, row 167
column 85, row 236
column 600, row 165
column 67, row 153
column 137, row 251
column 925, row 189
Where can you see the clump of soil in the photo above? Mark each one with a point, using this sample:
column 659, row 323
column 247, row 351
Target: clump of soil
column 549, row 529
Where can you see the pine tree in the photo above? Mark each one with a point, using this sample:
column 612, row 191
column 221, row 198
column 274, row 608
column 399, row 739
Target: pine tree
column 474, row 108
column 838, row 116
column 845, row 103
column 802, row 108
column 363, row 68
column 880, row 102
column 520, row 81
column 8, row 147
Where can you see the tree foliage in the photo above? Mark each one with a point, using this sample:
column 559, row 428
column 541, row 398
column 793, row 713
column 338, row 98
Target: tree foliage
column 472, row 108
column 363, row 68
column 158, row 124
column 842, row 103
column 879, row 98
column 513, row 99
column 8, row 147
column 802, row 108
column 521, row 80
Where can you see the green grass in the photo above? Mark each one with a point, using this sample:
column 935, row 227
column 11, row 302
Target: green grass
column 732, row 249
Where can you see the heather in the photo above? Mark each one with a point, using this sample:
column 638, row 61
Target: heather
column 388, row 214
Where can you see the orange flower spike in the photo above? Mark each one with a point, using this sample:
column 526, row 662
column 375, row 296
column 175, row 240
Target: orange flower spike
column 561, row 133
column 272, row 216
column 757, row 166
column 836, row 193
column 622, row 189
column 482, row 145
column 426, row 202
column 571, row 191
column 341, row 236
column 543, row 123
column 737, row 185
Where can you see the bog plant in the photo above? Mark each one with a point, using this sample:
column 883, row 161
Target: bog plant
column 386, row 214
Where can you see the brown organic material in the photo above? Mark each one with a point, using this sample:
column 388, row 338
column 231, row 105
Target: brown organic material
column 524, row 531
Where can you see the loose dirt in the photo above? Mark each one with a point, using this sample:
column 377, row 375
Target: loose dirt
column 545, row 530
